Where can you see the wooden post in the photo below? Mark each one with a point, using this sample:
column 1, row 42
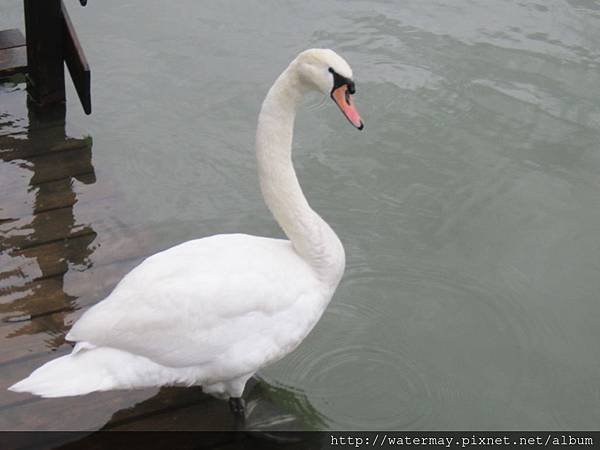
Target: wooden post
column 44, row 34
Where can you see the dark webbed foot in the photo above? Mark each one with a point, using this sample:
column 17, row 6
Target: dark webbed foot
column 237, row 406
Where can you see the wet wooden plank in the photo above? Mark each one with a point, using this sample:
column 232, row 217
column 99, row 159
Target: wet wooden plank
column 47, row 196
column 21, row 198
column 56, row 166
column 52, row 306
column 11, row 38
column 171, row 409
column 12, row 148
column 45, row 227
column 13, row 61
column 29, row 344
column 26, row 299
column 50, row 257
column 13, row 53
column 59, row 193
column 46, row 300
column 210, row 414
column 30, row 339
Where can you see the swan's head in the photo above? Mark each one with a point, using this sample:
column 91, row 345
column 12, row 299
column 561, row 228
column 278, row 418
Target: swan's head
column 327, row 72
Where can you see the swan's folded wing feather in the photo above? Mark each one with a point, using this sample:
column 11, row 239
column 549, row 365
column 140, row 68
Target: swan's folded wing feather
column 202, row 300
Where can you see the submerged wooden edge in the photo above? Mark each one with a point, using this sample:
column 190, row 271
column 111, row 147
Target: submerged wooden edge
column 11, row 38
column 12, row 148
column 13, row 61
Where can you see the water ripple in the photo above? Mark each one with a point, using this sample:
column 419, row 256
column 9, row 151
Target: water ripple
column 343, row 385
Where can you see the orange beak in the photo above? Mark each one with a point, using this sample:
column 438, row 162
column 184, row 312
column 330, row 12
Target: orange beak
column 342, row 97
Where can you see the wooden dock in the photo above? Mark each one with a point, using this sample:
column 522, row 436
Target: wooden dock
column 50, row 44
column 60, row 254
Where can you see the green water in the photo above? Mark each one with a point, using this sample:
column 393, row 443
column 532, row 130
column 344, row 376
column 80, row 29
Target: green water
column 469, row 207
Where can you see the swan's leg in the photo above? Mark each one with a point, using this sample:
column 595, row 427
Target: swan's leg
column 237, row 405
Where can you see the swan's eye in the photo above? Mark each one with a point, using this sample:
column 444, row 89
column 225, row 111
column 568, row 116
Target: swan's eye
column 351, row 87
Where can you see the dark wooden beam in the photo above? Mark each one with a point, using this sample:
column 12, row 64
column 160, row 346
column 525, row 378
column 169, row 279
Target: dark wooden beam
column 44, row 32
column 76, row 62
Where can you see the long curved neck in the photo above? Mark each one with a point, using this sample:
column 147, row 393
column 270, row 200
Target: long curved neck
column 312, row 238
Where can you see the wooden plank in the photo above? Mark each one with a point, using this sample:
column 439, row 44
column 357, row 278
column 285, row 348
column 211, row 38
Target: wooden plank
column 11, row 38
column 55, row 166
column 51, row 237
column 31, row 336
column 174, row 402
column 13, row 61
column 48, row 226
column 24, row 341
column 27, row 299
column 59, row 193
column 40, row 299
column 76, row 62
column 49, row 307
column 47, row 196
column 34, row 352
column 44, row 32
column 211, row 414
column 52, row 256
column 12, row 148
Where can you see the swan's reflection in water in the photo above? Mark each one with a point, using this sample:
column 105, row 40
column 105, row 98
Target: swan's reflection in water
column 276, row 418
column 269, row 408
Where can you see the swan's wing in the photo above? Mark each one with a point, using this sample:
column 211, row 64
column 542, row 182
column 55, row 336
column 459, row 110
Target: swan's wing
column 234, row 297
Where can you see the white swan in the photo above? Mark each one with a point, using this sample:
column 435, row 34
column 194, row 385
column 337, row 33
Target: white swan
column 213, row 311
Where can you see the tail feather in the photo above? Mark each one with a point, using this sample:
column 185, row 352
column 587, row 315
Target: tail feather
column 88, row 369
column 66, row 376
